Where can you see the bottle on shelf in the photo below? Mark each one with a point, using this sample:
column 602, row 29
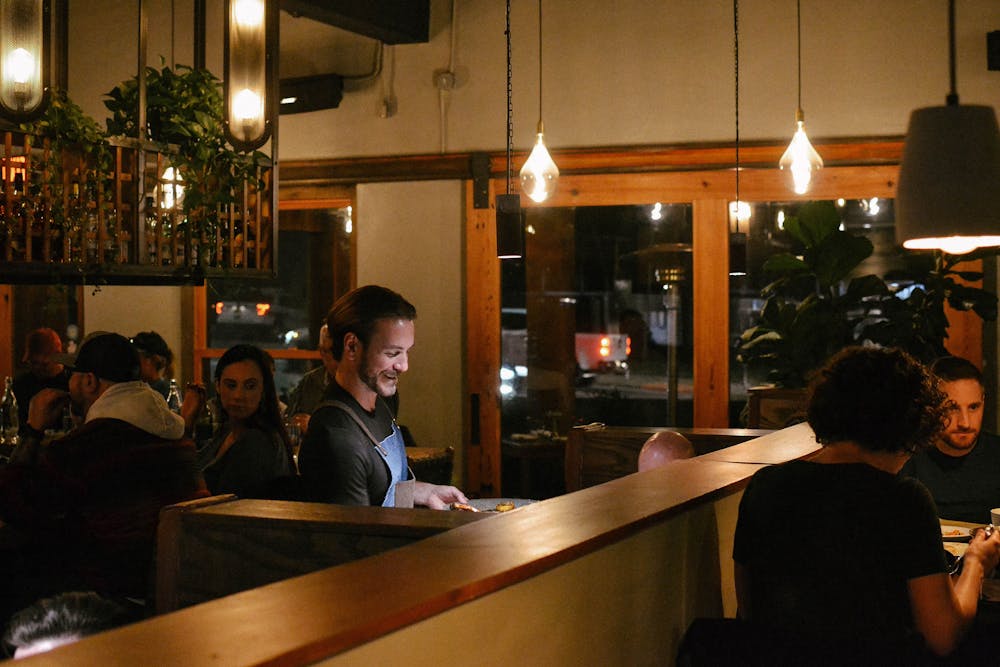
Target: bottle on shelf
column 151, row 229
column 9, row 423
column 16, row 221
column 174, row 397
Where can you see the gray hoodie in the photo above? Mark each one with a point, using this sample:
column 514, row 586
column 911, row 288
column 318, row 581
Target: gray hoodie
column 141, row 406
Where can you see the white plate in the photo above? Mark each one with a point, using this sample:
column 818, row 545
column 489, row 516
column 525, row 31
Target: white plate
column 949, row 532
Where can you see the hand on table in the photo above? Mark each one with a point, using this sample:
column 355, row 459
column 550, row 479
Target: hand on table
column 436, row 496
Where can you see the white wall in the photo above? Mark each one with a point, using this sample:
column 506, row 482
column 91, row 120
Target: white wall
column 409, row 239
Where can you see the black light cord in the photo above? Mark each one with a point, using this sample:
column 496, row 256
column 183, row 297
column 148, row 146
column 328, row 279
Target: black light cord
column 798, row 39
column 952, row 98
column 510, row 108
column 736, row 59
column 539, row 64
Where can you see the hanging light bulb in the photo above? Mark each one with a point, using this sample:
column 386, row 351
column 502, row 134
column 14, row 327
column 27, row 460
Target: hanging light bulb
column 800, row 159
column 539, row 175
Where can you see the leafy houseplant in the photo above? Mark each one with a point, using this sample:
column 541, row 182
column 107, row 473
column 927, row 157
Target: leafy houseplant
column 184, row 117
column 809, row 314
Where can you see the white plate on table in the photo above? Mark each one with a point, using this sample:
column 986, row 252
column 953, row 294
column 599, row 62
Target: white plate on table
column 950, row 532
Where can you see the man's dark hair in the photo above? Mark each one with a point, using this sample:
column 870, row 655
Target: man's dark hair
column 950, row 369
column 881, row 398
column 71, row 615
column 357, row 312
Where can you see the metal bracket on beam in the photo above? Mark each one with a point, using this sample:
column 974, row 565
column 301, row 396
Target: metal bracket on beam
column 480, row 165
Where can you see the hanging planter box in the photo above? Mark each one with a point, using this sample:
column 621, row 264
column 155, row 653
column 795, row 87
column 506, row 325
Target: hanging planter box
column 67, row 216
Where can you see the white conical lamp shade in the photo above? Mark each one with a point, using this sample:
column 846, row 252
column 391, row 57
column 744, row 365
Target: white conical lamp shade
column 949, row 181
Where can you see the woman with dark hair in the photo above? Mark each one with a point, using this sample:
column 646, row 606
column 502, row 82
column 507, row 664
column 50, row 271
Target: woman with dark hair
column 840, row 556
column 250, row 449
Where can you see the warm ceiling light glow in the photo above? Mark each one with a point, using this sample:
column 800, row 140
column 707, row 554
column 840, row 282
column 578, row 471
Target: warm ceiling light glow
column 21, row 65
column 801, row 159
column 248, row 13
column 247, row 105
column 739, row 211
column 539, row 174
column 953, row 245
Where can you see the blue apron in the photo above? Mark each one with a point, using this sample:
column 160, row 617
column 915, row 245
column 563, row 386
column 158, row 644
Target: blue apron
column 393, row 452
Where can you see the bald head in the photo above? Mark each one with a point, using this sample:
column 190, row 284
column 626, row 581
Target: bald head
column 663, row 447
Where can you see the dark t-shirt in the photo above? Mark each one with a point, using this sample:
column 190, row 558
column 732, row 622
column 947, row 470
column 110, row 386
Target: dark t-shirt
column 337, row 461
column 965, row 488
column 255, row 460
column 829, row 549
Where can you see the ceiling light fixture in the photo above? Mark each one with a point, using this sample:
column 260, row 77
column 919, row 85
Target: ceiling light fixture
column 539, row 175
column 24, row 58
column 800, row 159
column 509, row 229
column 251, row 33
column 948, row 198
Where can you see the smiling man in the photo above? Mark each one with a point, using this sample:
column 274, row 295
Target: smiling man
column 963, row 471
column 353, row 453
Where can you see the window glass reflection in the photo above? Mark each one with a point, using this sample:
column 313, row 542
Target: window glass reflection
column 597, row 318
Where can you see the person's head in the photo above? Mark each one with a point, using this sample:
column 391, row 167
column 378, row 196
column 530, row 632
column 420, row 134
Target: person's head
column 244, row 384
column 60, row 620
column 104, row 359
column 325, row 349
column 663, row 447
column 962, row 384
column 40, row 349
column 372, row 332
column 881, row 399
column 154, row 354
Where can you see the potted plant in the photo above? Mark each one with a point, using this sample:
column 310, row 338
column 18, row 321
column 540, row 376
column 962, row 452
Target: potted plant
column 813, row 307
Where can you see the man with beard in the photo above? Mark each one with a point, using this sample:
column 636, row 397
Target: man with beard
column 963, row 471
column 83, row 509
column 353, row 453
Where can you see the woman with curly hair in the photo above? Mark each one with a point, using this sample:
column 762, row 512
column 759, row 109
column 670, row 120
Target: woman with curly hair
column 838, row 554
column 251, row 449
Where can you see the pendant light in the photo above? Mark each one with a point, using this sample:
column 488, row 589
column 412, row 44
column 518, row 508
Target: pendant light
column 948, row 197
column 738, row 211
column 250, row 39
column 24, row 58
column 539, row 174
column 800, row 158
column 509, row 228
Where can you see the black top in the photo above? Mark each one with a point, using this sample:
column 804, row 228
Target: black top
column 337, row 461
column 829, row 549
column 254, row 461
column 965, row 488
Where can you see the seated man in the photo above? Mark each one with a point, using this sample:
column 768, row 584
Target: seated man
column 962, row 472
column 81, row 512
column 40, row 351
column 353, row 453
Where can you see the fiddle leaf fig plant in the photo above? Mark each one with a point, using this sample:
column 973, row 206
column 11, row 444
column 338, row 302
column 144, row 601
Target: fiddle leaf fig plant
column 813, row 307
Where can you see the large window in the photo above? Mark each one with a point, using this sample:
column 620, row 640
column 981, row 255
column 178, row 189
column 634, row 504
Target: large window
column 597, row 319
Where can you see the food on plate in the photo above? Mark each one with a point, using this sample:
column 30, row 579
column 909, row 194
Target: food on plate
column 463, row 507
column 505, row 506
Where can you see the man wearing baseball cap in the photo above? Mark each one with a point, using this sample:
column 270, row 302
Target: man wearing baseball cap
column 87, row 504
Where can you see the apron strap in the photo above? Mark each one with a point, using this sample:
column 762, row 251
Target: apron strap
column 357, row 420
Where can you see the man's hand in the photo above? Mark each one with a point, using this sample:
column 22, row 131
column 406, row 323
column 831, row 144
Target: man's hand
column 46, row 408
column 436, row 496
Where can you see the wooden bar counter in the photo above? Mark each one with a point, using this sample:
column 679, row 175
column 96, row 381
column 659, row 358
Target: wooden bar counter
column 608, row 575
